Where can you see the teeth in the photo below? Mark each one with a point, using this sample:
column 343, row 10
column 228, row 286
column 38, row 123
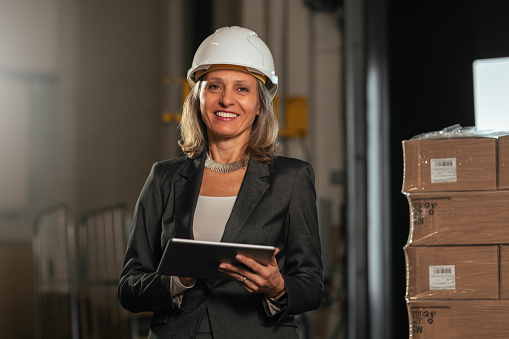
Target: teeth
column 226, row 115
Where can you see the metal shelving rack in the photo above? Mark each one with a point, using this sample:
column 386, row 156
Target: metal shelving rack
column 55, row 276
column 102, row 240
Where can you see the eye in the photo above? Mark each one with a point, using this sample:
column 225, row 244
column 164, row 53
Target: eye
column 243, row 89
column 213, row 86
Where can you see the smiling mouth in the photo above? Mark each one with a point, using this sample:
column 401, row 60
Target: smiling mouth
column 226, row 115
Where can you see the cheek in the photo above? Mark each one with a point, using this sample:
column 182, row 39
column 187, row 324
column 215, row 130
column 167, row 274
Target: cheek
column 205, row 105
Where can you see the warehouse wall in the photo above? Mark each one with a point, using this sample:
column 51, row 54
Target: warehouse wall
column 117, row 121
column 29, row 43
column 83, row 85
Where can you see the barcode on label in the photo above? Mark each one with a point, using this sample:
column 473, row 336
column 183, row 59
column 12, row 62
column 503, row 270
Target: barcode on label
column 444, row 163
column 441, row 270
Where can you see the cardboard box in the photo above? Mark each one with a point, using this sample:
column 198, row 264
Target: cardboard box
column 465, row 319
column 452, row 272
column 504, row 272
column 461, row 164
column 459, row 218
column 503, row 162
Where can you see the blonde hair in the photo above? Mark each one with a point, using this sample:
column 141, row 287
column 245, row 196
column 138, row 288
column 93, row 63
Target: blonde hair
column 263, row 144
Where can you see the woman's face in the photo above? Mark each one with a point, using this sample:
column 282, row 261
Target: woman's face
column 229, row 104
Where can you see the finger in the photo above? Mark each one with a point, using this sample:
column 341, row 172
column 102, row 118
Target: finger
column 273, row 260
column 239, row 278
column 276, row 252
column 248, row 279
column 250, row 263
column 235, row 272
column 248, row 285
column 233, row 268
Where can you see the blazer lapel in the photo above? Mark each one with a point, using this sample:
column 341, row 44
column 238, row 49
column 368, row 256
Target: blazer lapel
column 187, row 190
column 252, row 189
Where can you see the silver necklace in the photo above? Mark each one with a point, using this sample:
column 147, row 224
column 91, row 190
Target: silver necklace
column 225, row 168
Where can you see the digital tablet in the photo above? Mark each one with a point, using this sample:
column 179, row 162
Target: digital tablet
column 200, row 259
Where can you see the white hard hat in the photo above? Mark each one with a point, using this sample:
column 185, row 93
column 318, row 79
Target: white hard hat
column 235, row 46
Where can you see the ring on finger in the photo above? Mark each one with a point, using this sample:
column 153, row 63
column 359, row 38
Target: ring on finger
column 244, row 280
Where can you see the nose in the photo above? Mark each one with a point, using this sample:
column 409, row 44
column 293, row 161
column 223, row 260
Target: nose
column 227, row 97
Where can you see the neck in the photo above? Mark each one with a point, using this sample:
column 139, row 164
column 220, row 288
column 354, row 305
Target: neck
column 226, row 154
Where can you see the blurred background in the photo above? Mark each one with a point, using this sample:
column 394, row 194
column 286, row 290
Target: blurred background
column 90, row 93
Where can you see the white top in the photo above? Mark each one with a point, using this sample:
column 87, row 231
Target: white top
column 211, row 216
column 210, row 219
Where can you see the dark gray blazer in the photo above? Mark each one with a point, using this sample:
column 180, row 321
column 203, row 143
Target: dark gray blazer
column 276, row 205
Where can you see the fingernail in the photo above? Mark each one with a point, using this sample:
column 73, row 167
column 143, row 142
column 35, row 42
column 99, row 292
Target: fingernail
column 222, row 266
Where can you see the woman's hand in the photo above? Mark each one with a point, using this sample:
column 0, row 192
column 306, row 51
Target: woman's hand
column 186, row 280
column 255, row 277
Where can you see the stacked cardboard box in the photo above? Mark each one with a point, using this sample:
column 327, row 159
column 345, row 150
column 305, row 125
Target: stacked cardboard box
column 457, row 253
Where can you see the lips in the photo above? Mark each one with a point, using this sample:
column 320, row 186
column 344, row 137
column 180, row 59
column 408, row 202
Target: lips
column 226, row 114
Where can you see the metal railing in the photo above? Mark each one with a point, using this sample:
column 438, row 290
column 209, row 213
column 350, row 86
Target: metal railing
column 55, row 275
column 77, row 271
column 102, row 240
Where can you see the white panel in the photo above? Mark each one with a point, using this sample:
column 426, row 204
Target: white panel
column 14, row 138
column 28, row 35
column 491, row 93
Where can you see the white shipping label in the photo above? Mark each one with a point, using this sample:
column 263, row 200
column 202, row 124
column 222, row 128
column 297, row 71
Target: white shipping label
column 443, row 170
column 442, row 278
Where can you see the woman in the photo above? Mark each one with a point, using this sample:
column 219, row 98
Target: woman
column 231, row 187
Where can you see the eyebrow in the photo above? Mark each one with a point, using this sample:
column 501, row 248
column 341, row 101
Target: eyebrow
column 240, row 81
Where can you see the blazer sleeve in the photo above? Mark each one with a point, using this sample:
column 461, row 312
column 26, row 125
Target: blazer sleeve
column 141, row 288
column 302, row 268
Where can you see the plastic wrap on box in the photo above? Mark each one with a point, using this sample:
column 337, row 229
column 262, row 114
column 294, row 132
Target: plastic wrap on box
column 458, row 218
column 454, row 159
column 458, row 319
column 457, row 131
column 452, row 272
column 503, row 162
